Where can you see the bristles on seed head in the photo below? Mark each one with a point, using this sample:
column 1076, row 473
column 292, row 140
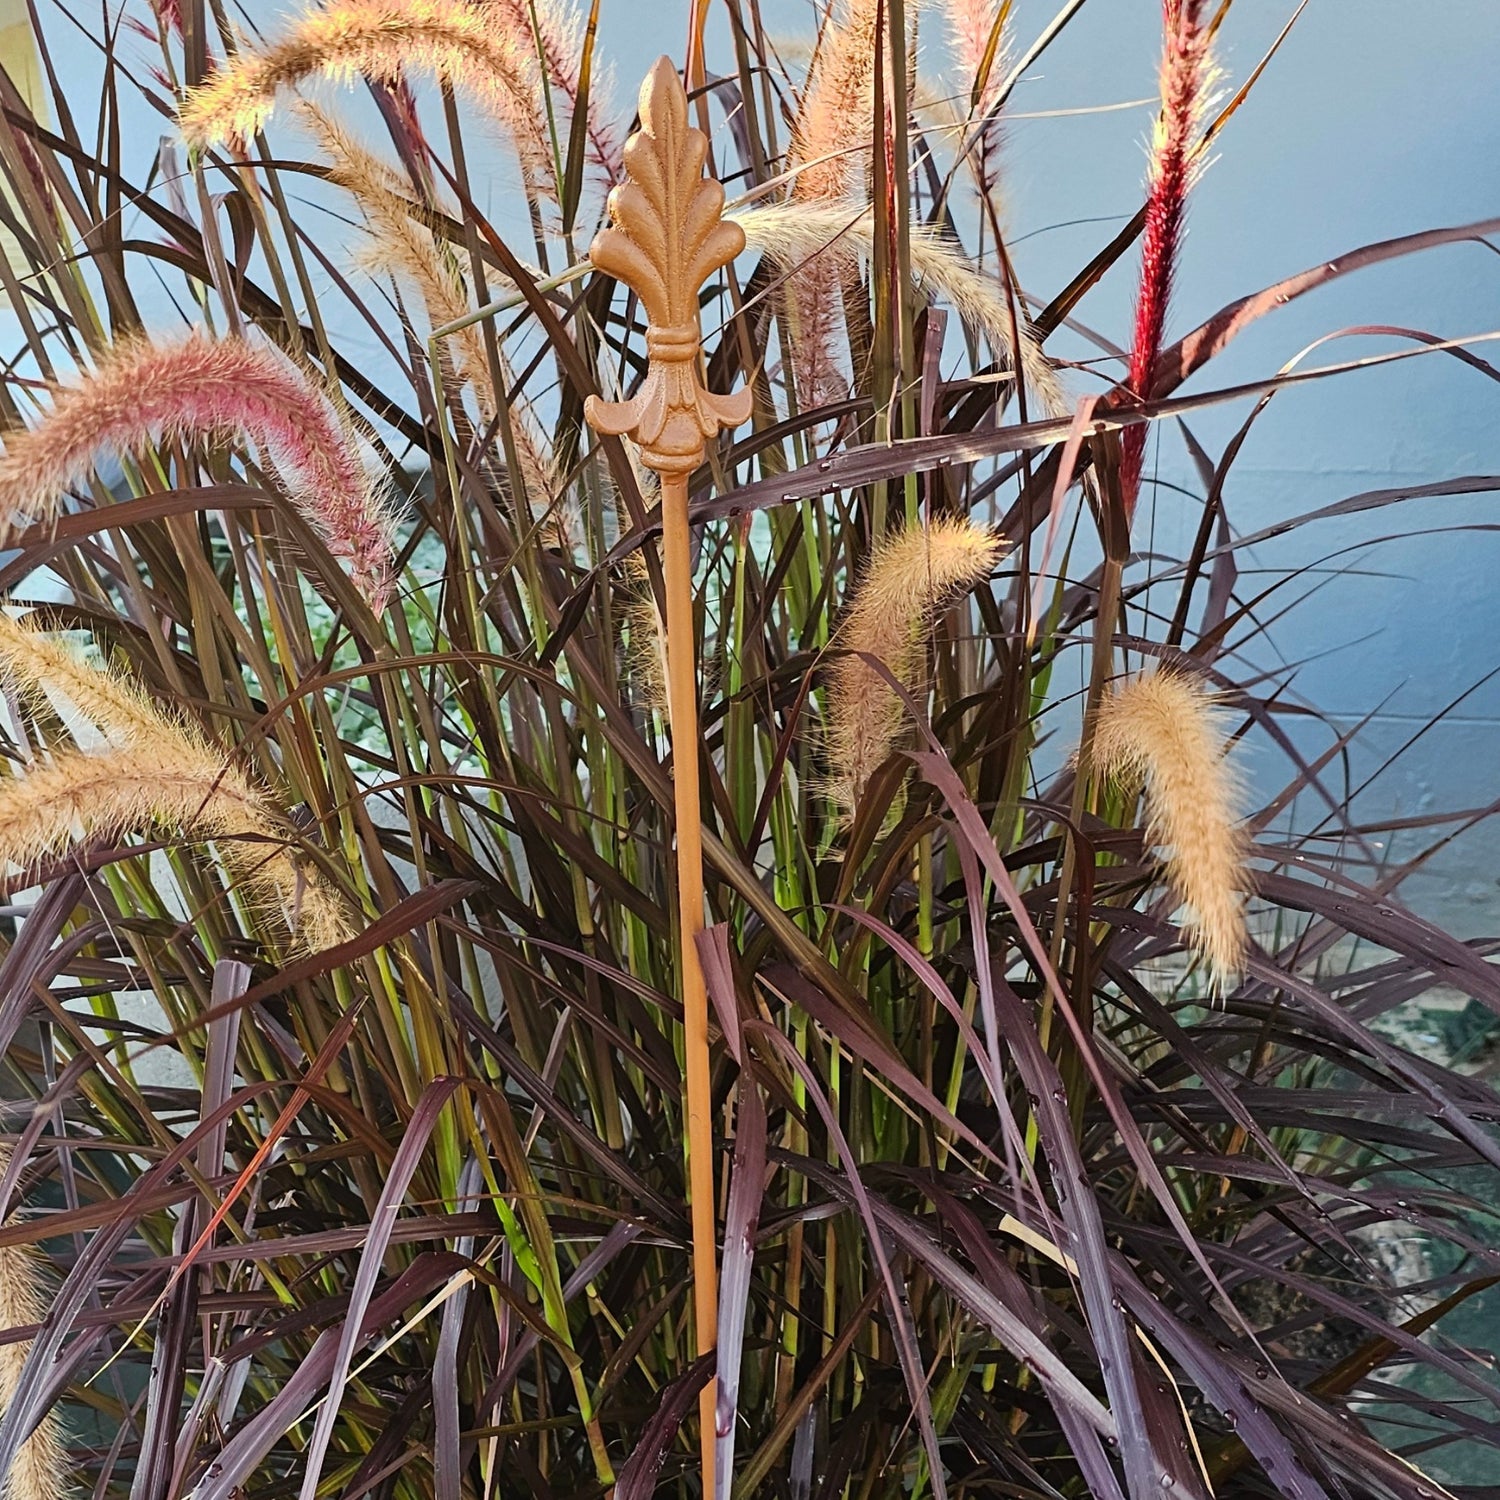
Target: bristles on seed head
column 45, row 667
column 402, row 243
column 842, row 236
column 645, row 636
column 971, row 30
column 830, row 156
column 172, row 786
column 1166, row 730
column 911, row 575
column 40, row 1469
column 1187, row 78
column 455, row 41
column 831, row 133
column 162, row 775
column 553, row 31
column 196, row 388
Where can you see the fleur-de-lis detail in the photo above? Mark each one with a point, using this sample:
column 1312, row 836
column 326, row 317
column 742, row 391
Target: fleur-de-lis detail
column 666, row 239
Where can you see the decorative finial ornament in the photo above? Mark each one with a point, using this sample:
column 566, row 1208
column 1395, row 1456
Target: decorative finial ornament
column 665, row 240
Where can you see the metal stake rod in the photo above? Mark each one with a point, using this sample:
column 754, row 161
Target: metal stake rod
column 666, row 239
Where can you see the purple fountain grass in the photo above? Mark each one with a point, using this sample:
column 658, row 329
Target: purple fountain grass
column 912, row 574
column 1186, row 78
column 40, row 1469
column 977, row 50
column 843, row 235
column 830, row 155
column 197, row 388
column 402, row 242
column 160, row 772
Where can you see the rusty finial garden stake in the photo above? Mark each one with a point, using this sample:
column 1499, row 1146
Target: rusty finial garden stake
column 666, row 239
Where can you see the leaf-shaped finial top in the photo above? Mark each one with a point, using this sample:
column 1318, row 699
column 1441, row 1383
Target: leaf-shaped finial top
column 667, row 238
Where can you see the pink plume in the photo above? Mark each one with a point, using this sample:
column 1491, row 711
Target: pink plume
column 198, row 388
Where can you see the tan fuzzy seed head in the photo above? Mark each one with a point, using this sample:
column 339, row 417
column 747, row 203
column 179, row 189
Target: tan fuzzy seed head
column 40, row 1470
column 199, row 388
column 457, row 42
column 911, row 575
column 645, row 637
column 840, row 237
column 162, row 776
column 44, row 668
column 1165, row 731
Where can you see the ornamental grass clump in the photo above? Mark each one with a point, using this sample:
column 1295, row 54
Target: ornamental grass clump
column 200, row 389
column 1164, row 732
column 656, row 1000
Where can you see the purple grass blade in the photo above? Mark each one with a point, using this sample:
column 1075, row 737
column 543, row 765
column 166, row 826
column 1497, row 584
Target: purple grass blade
column 741, row 1219
column 637, row 1478
column 418, row 1132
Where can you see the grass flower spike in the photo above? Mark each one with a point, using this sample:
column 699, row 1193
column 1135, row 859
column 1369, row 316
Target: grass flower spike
column 199, row 388
column 45, row 668
column 831, row 155
column 977, row 41
column 403, row 242
column 159, row 774
column 841, row 237
column 912, row 575
column 1187, row 76
column 1165, row 731
column 549, row 28
column 830, row 144
column 40, row 1470
column 646, row 637
column 458, row 43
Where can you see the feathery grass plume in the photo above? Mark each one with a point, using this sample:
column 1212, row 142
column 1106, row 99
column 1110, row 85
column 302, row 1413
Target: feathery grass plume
column 912, row 574
column 455, row 41
column 401, row 243
column 547, row 27
column 40, row 1468
column 161, row 773
column 1187, row 76
column 1165, row 730
column 175, row 785
column 978, row 52
column 645, row 636
column 831, row 132
column 200, row 387
column 830, row 148
column 794, row 234
column 44, row 667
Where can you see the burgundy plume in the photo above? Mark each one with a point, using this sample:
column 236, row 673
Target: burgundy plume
column 1185, row 74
